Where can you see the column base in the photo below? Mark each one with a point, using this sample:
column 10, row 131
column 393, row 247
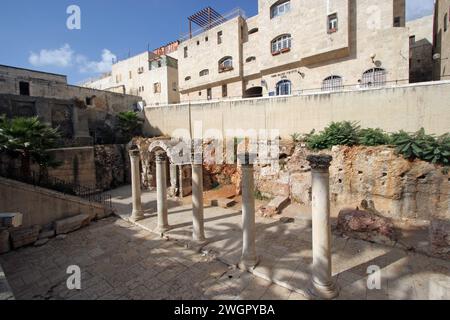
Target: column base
column 136, row 216
column 162, row 229
column 198, row 239
column 320, row 291
column 248, row 264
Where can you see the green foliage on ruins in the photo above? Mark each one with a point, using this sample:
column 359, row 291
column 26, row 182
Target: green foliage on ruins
column 129, row 124
column 411, row 146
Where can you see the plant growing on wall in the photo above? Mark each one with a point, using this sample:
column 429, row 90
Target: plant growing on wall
column 373, row 137
column 28, row 139
column 344, row 133
column 129, row 124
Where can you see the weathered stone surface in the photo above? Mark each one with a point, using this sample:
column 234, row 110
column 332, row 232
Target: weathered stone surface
column 111, row 166
column 366, row 225
column 21, row 237
column 9, row 220
column 223, row 202
column 47, row 234
column 440, row 238
column 61, row 237
column 68, row 225
column 300, row 186
column 41, row 242
column 274, row 207
column 4, row 240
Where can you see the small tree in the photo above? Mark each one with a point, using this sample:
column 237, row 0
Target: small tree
column 29, row 140
column 129, row 124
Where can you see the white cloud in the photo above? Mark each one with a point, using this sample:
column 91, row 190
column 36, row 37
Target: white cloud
column 104, row 65
column 61, row 57
column 66, row 57
column 419, row 8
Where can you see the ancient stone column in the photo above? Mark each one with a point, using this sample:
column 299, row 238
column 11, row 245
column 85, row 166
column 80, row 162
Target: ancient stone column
column 249, row 259
column 137, row 213
column 198, row 233
column 161, row 192
column 322, row 282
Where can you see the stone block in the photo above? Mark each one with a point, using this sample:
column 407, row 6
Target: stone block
column 47, row 234
column 21, row 237
column 275, row 207
column 4, row 241
column 440, row 238
column 223, row 203
column 365, row 225
column 13, row 219
column 68, row 225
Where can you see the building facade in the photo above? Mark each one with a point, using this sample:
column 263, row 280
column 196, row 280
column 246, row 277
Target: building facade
column 296, row 46
column 151, row 76
column 420, row 49
column 442, row 40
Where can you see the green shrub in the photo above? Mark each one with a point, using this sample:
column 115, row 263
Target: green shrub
column 337, row 133
column 296, row 137
column 373, row 137
column 413, row 146
column 438, row 151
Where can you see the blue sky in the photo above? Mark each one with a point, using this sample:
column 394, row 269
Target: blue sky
column 34, row 33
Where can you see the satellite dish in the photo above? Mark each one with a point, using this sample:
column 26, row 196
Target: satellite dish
column 436, row 56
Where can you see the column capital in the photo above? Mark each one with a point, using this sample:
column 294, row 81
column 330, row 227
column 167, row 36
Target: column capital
column 134, row 153
column 247, row 159
column 319, row 161
column 161, row 156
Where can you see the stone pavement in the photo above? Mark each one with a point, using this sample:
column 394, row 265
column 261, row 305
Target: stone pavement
column 121, row 261
column 286, row 255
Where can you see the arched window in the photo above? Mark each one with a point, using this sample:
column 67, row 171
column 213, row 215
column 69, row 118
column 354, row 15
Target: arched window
column 332, row 83
column 281, row 44
column 375, row 77
column 280, row 8
column 204, row 73
column 225, row 64
column 284, row 88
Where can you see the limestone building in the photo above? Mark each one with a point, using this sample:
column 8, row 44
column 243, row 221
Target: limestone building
column 442, row 40
column 152, row 75
column 294, row 46
column 420, row 49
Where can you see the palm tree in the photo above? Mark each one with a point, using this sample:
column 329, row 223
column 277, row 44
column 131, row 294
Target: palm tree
column 29, row 140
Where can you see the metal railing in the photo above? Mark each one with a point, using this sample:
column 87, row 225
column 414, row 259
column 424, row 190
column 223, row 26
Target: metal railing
column 237, row 12
column 91, row 194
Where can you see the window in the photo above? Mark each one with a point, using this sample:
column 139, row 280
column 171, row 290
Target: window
column 284, row 88
column 225, row 64
column 198, row 42
column 157, row 87
column 209, row 93
column 131, row 75
column 187, row 78
column 219, row 37
column 332, row 23
column 140, row 70
column 88, row 101
column 206, row 39
column 185, row 52
column 142, row 88
column 159, row 63
column 224, row 91
column 204, row 73
column 24, row 88
column 412, row 40
column 446, row 22
column 375, row 77
column 281, row 44
column 254, row 30
column 332, row 83
column 397, row 22
column 199, row 93
column 250, row 59
column 280, row 8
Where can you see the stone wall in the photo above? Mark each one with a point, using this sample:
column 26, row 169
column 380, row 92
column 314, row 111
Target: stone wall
column 399, row 188
column 407, row 107
column 42, row 206
column 112, row 166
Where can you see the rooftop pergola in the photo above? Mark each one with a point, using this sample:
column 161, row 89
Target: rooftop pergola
column 206, row 18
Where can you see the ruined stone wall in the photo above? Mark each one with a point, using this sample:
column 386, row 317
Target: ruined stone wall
column 399, row 188
column 112, row 166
